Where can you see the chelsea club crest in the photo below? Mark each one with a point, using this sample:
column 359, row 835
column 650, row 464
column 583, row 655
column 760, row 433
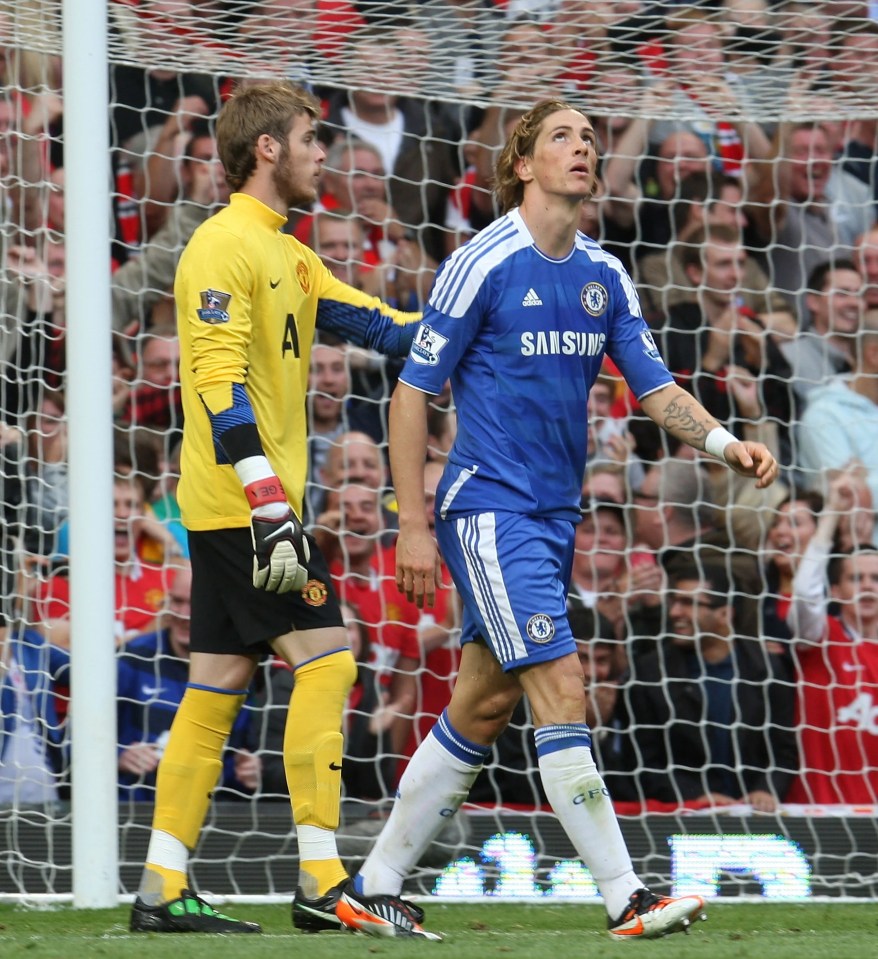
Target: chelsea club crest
column 540, row 628
column 594, row 298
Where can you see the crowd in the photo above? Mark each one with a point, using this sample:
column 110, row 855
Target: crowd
column 728, row 635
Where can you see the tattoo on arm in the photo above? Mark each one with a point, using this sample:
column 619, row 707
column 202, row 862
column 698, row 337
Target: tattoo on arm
column 680, row 420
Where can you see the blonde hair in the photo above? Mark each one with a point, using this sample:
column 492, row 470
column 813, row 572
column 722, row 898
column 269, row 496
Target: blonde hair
column 508, row 187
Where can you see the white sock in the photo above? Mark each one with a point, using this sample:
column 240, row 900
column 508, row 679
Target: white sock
column 582, row 804
column 436, row 782
column 167, row 851
column 315, row 843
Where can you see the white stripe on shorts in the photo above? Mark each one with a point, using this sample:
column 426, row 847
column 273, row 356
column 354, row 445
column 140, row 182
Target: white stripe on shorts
column 477, row 535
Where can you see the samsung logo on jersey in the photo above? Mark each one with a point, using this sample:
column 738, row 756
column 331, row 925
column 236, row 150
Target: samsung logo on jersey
column 563, row 342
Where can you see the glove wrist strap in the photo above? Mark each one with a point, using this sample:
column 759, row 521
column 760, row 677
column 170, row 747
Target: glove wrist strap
column 261, row 484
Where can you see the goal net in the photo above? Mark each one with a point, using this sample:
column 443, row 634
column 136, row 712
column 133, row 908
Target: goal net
column 738, row 187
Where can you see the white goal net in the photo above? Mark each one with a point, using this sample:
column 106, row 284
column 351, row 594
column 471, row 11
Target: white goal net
column 738, row 187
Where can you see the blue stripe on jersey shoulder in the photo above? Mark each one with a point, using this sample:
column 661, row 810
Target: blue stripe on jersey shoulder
column 458, row 283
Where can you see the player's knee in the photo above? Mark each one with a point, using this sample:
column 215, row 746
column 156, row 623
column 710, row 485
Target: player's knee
column 336, row 670
column 491, row 715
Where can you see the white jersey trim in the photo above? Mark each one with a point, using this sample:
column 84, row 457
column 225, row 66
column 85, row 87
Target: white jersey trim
column 463, row 477
column 478, row 540
column 459, row 282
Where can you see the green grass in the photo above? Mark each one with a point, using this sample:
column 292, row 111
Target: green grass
column 808, row 931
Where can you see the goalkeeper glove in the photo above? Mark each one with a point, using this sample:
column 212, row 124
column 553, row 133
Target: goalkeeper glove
column 280, row 550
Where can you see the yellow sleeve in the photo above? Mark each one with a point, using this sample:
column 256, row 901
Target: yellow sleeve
column 213, row 293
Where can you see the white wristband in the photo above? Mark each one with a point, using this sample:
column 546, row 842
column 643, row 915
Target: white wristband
column 251, row 469
column 717, row 440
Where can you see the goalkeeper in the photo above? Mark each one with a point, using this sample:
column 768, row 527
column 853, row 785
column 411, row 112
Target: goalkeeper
column 519, row 320
column 248, row 301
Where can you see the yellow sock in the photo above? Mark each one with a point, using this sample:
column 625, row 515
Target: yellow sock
column 158, row 884
column 312, row 759
column 187, row 775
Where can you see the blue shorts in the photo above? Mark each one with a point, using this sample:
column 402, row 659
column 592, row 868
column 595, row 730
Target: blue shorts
column 512, row 573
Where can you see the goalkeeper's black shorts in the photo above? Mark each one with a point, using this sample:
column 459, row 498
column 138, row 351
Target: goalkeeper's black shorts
column 231, row 616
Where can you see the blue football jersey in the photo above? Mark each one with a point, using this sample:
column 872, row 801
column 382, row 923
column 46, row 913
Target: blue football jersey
column 521, row 337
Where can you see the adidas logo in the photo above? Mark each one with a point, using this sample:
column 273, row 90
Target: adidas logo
column 531, row 298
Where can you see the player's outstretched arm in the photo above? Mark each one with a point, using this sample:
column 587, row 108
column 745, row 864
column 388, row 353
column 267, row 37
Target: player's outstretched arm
column 680, row 414
column 362, row 319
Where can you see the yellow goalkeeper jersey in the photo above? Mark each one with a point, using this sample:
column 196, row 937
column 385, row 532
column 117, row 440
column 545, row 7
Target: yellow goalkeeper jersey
column 248, row 298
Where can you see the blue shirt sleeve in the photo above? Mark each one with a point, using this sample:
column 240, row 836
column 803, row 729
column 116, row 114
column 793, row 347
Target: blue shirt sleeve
column 630, row 344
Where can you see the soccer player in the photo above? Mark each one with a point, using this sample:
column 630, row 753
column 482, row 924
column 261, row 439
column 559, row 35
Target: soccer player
column 248, row 300
column 520, row 319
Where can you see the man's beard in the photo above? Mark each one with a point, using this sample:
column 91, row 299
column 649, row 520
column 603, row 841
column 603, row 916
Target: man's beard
column 292, row 193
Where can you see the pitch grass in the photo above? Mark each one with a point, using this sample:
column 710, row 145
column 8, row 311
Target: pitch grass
column 506, row 931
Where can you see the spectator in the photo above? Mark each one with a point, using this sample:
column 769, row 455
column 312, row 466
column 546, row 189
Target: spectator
column 785, row 543
column 45, row 475
column 340, row 242
column 152, row 672
column 353, row 182
column 702, row 87
column 642, row 186
column 836, row 652
column 600, row 546
column 470, row 205
column 525, row 58
column 675, row 520
column 703, row 340
column 154, row 400
column 414, row 137
column 826, row 345
column 33, row 352
column 163, row 500
column 856, row 526
column 37, row 168
column 866, row 259
column 806, row 209
column 704, row 201
column 354, row 458
column 330, row 411
column 853, row 82
column 711, row 722
column 167, row 168
column 138, row 455
column 609, row 440
column 11, row 513
column 364, row 577
column 805, row 39
column 840, row 421
column 605, row 482
column 137, row 286
column 140, row 587
column 747, row 512
column 27, row 772
column 465, row 37
column 152, row 108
